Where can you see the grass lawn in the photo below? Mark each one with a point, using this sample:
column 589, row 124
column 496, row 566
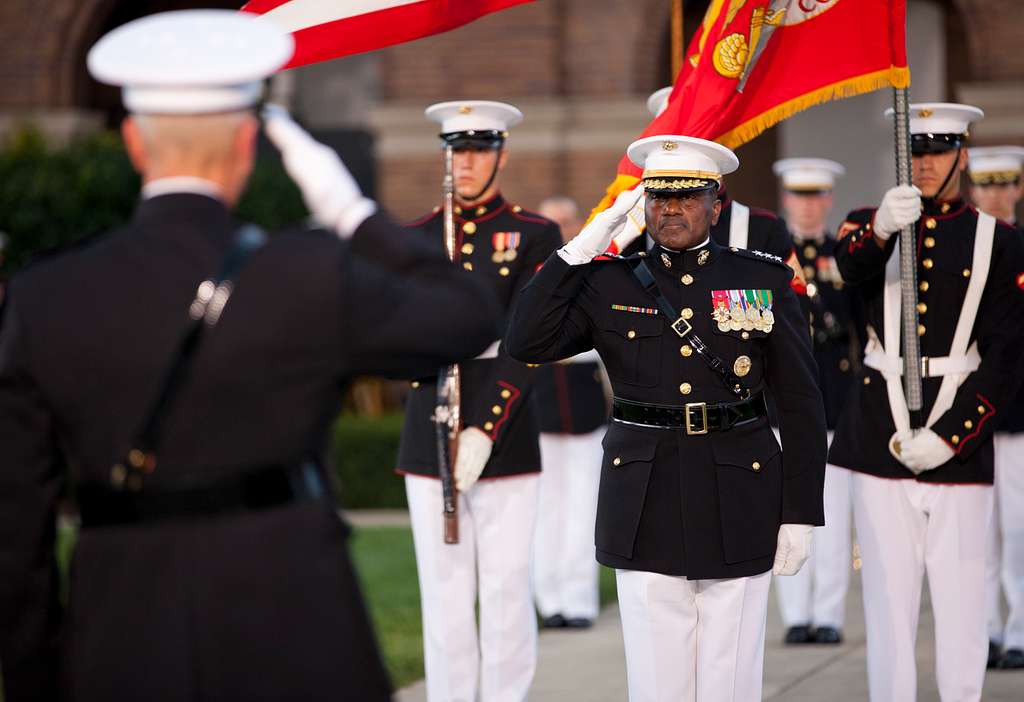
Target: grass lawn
column 386, row 564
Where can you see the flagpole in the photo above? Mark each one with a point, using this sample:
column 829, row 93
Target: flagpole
column 677, row 38
column 908, row 268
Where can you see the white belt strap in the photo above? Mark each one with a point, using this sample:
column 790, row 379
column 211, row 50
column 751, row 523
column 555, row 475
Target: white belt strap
column 935, row 367
column 957, row 365
column 739, row 222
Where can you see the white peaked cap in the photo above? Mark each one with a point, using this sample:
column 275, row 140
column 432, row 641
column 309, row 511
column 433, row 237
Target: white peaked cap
column 808, row 173
column 995, row 163
column 191, row 61
column 682, row 156
column 940, row 117
column 658, row 101
column 474, row 116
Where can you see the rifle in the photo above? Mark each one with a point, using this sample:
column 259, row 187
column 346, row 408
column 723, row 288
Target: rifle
column 447, row 419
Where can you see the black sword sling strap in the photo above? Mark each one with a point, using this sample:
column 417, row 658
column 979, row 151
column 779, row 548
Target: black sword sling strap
column 204, row 313
column 685, row 331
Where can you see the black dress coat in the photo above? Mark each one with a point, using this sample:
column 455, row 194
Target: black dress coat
column 699, row 506
column 258, row 605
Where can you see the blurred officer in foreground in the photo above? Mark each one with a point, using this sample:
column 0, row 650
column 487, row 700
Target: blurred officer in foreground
column 996, row 189
column 500, row 245
column 922, row 499
column 697, row 504
column 187, row 371
column 569, row 397
column 813, row 602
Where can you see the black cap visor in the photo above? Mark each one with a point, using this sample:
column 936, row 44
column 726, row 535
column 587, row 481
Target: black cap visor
column 474, row 140
column 921, row 144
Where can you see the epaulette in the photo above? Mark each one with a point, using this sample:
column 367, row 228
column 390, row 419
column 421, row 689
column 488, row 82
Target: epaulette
column 759, row 256
column 608, row 256
column 424, row 219
column 519, row 213
column 761, row 212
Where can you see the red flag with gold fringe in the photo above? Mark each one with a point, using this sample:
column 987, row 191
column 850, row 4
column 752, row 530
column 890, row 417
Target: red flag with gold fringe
column 753, row 63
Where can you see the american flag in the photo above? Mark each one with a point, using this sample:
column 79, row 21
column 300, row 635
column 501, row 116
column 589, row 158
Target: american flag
column 329, row 29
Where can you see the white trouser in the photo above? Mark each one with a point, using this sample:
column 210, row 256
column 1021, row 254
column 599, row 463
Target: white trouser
column 693, row 640
column 906, row 528
column 564, row 564
column 817, row 594
column 496, row 520
column 1006, row 543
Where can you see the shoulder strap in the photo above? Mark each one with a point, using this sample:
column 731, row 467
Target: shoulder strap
column 205, row 311
column 685, row 331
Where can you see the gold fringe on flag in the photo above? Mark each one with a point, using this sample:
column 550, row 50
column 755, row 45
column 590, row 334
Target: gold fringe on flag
column 621, row 184
column 895, row 77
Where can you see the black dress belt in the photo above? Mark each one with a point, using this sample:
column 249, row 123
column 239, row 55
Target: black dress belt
column 695, row 417
column 255, row 490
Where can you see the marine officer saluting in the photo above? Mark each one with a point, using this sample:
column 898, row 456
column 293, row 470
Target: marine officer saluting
column 812, row 603
column 922, row 500
column 498, row 458
column 186, row 370
column 697, row 503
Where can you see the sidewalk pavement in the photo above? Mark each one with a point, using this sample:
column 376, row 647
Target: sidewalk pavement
column 589, row 666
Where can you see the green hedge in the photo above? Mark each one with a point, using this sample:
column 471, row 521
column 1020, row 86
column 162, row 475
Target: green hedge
column 52, row 198
column 364, row 453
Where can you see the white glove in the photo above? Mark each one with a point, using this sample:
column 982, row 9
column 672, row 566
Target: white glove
column 920, row 450
column 793, row 549
column 900, row 206
column 474, row 451
column 632, row 228
column 597, row 235
column 328, row 189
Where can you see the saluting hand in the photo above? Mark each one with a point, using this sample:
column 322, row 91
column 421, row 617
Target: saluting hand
column 595, row 238
column 793, row 548
column 328, row 189
column 474, row 452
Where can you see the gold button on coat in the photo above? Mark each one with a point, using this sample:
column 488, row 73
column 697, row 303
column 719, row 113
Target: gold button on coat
column 968, row 424
column 867, row 380
column 981, row 409
column 686, row 388
column 415, row 384
column 617, row 461
column 745, row 335
column 923, row 286
column 955, row 439
column 468, row 266
column 929, row 242
column 756, row 465
column 922, row 308
column 931, row 223
column 687, row 279
column 687, row 313
column 469, row 228
column 810, row 251
column 921, row 330
column 967, row 272
column 504, row 271
column 686, row 350
column 505, row 394
column 496, row 410
column 631, row 334
column 488, row 426
column 928, row 263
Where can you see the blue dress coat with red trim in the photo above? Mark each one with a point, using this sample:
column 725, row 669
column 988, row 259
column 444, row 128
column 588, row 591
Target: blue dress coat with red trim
column 504, row 245
column 945, row 245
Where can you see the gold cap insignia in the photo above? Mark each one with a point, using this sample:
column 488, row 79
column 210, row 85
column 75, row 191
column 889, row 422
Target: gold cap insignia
column 925, row 113
column 465, row 110
column 670, row 146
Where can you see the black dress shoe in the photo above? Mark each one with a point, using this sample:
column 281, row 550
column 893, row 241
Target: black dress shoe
column 1013, row 659
column 555, row 621
column 828, row 635
column 995, row 654
column 579, row 623
column 799, row 635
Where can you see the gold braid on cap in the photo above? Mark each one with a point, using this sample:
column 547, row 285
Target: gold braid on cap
column 995, row 177
column 677, row 184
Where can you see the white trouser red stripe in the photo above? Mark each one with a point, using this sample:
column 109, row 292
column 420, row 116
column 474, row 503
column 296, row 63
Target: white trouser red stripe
column 496, row 521
column 565, row 570
column 1006, row 557
column 906, row 528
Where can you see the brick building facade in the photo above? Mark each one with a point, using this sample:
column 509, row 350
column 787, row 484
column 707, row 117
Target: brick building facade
column 580, row 70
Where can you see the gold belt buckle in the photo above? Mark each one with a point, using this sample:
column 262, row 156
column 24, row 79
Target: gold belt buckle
column 703, row 407
column 681, row 327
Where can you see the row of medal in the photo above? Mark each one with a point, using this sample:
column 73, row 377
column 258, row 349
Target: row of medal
column 743, row 310
column 505, row 246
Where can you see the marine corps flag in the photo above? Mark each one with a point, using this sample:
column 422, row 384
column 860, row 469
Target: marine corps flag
column 753, row 63
column 329, row 29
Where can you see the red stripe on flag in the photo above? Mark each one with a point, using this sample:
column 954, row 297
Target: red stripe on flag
column 258, row 7
column 376, row 30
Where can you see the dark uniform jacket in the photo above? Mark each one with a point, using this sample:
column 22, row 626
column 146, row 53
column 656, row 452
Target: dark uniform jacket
column 569, row 397
column 945, row 244
column 700, row 506
column 258, row 605
column 1012, row 420
column 837, row 341
column 501, row 246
